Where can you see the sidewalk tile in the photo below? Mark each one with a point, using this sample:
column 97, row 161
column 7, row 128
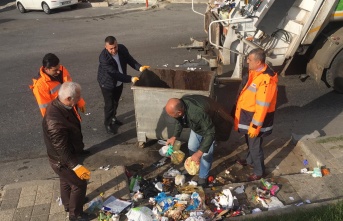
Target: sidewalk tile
column 9, row 204
column 43, row 198
column 40, row 218
column 22, row 214
column 58, row 216
column 26, row 201
column 336, row 152
column 7, row 214
column 45, row 189
column 28, row 191
column 43, row 209
column 12, row 194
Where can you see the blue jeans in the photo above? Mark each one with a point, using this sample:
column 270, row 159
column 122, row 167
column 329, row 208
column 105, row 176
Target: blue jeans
column 206, row 159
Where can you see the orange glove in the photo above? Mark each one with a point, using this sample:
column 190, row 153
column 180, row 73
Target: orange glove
column 82, row 172
column 253, row 132
column 83, row 109
column 134, row 79
column 142, row 68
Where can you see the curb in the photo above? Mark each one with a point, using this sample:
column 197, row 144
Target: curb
column 7, row 7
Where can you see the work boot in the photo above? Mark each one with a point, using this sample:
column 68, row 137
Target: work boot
column 116, row 121
column 110, row 130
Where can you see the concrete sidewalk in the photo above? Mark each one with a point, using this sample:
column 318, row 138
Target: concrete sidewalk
column 37, row 200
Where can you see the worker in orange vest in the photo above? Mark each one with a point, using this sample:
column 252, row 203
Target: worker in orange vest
column 254, row 114
column 50, row 78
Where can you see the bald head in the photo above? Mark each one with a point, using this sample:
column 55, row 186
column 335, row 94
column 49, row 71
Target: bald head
column 175, row 108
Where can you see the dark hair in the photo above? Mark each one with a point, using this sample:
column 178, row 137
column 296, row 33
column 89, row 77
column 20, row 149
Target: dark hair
column 110, row 40
column 50, row 60
column 259, row 54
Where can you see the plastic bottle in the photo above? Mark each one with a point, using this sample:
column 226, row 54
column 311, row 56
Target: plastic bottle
column 132, row 183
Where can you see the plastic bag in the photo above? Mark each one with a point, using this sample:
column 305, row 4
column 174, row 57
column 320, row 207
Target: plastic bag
column 177, row 157
column 191, row 166
column 166, row 151
column 95, row 204
column 180, row 179
column 140, row 214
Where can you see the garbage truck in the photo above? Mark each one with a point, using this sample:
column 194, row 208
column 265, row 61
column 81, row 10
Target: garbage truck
column 285, row 29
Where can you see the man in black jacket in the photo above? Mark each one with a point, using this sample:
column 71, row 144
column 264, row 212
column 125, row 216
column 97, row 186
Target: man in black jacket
column 112, row 73
column 63, row 137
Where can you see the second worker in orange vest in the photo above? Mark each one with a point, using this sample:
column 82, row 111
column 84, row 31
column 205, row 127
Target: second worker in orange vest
column 255, row 109
column 51, row 76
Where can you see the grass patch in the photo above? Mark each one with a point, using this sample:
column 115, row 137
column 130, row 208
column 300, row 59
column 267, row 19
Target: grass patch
column 330, row 139
column 337, row 147
column 329, row 212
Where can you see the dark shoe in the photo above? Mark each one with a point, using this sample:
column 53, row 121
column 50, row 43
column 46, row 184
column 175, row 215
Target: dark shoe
column 254, row 177
column 116, row 121
column 110, row 130
column 243, row 163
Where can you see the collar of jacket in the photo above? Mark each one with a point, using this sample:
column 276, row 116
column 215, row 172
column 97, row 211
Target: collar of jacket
column 254, row 73
column 62, row 107
column 109, row 56
column 47, row 77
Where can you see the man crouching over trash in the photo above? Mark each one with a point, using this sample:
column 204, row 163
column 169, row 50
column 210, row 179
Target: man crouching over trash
column 62, row 136
column 208, row 121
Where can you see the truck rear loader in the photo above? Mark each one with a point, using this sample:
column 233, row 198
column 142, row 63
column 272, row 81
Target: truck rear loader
column 283, row 29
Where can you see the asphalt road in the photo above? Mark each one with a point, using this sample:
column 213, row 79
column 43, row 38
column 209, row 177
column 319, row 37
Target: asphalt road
column 76, row 37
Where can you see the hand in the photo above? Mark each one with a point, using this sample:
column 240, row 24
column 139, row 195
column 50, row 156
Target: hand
column 134, row 79
column 171, row 141
column 83, row 109
column 196, row 157
column 253, row 132
column 142, row 68
column 82, row 172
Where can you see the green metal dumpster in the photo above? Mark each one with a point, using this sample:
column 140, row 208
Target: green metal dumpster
column 152, row 92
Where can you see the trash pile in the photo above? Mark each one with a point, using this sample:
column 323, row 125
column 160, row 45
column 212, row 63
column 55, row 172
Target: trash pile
column 173, row 196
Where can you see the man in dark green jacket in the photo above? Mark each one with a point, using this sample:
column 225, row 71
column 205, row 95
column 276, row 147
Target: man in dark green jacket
column 208, row 121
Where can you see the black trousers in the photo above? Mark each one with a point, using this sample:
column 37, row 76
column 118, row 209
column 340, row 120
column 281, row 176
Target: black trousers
column 111, row 98
column 255, row 154
column 73, row 189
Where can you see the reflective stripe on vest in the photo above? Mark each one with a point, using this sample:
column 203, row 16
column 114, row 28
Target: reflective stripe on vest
column 43, row 105
column 263, row 129
column 55, row 89
column 263, row 104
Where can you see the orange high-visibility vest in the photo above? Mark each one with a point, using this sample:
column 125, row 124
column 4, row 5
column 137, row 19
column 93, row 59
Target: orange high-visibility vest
column 256, row 102
column 45, row 90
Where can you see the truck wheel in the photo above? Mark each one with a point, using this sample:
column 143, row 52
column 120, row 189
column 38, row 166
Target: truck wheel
column 334, row 75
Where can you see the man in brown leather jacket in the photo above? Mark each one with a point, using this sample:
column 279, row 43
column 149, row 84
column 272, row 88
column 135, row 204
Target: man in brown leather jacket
column 63, row 137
